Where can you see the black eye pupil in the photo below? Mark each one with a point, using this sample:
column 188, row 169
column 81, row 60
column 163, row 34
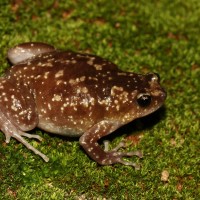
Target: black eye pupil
column 144, row 100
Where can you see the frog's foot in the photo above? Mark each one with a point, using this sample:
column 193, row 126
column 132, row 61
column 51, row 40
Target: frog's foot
column 11, row 131
column 118, row 156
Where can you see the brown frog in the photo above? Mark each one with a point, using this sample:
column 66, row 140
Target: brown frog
column 73, row 94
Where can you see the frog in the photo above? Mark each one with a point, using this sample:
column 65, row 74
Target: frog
column 74, row 95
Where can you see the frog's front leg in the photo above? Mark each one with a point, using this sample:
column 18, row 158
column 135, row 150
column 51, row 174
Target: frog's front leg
column 89, row 141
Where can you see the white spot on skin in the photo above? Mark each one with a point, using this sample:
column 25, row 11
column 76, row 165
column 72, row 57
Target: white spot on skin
column 65, row 104
column 22, row 112
column 98, row 67
column 156, row 93
column 43, row 110
column 92, row 101
column 116, row 101
column 72, row 82
column 85, row 103
column 15, row 103
column 13, row 108
column 106, row 102
column 59, row 73
column 50, row 60
column 57, row 98
column 114, row 89
column 74, row 61
column 38, row 76
column 93, row 78
column 49, row 106
column 122, row 74
column 91, row 61
column 49, row 64
column 77, row 80
column 39, row 64
column 82, row 78
column 46, row 75
column 84, row 90
column 58, row 82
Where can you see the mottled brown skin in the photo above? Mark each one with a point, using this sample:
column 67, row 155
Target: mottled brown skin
column 73, row 94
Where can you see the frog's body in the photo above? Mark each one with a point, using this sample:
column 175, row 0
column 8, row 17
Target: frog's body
column 73, row 94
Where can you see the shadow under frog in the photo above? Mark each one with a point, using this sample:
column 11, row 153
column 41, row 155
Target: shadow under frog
column 73, row 94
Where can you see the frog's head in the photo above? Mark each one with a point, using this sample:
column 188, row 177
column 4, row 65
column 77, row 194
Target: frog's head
column 146, row 97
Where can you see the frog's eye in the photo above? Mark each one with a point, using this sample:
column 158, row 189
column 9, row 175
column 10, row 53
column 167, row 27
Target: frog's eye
column 144, row 99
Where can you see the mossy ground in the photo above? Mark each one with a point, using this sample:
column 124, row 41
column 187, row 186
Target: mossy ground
column 140, row 36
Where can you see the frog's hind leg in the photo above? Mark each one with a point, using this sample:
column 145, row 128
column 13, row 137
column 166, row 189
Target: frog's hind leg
column 11, row 131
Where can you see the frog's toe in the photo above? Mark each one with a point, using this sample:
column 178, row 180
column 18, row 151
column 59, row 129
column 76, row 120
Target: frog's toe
column 135, row 165
column 122, row 144
column 137, row 153
column 121, row 155
column 106, row 143
column 117, row 157
column 30, row 135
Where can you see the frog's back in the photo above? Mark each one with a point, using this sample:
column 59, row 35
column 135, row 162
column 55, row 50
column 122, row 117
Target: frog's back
column 70, row 83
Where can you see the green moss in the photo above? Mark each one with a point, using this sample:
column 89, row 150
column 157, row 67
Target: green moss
column 140, row 36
